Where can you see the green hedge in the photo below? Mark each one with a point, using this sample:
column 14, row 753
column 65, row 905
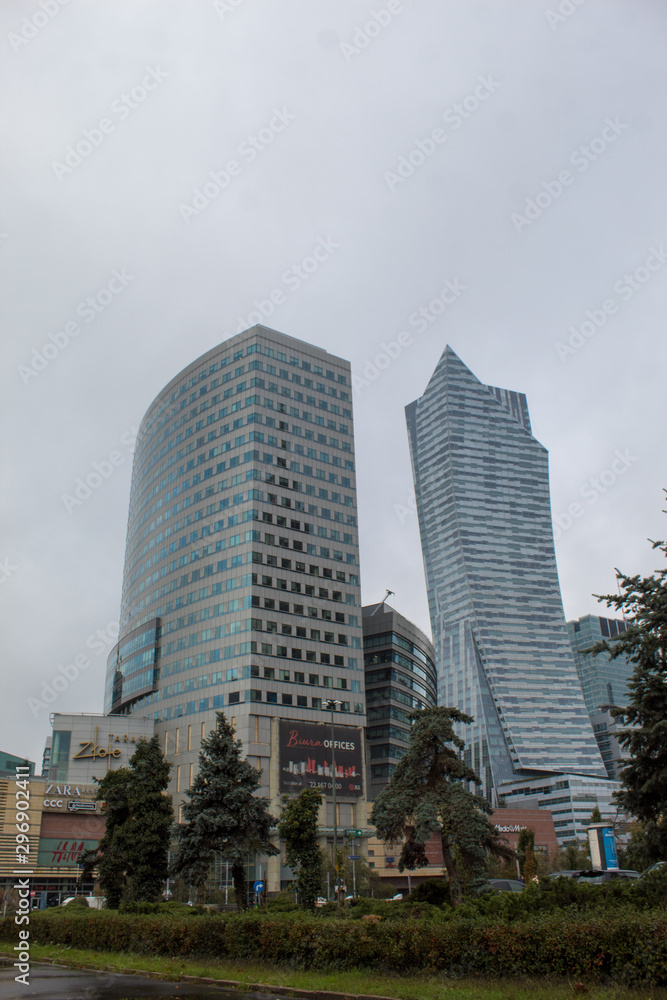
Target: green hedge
column 627, row 947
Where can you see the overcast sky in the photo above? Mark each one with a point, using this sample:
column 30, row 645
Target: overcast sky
column 498, row 165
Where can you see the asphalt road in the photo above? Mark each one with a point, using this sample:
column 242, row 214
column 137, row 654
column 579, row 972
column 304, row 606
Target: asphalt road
column 50, row 982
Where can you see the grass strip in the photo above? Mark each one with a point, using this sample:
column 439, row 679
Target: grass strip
column 353, row 983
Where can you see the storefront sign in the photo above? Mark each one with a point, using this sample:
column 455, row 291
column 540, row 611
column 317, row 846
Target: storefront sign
column 91, row 751
column 52, row 851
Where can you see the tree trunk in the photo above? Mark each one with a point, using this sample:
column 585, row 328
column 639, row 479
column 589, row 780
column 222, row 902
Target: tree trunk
column 240, row 888
column 453, row 875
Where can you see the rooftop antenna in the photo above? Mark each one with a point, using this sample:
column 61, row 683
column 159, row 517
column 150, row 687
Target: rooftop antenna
column 381, row 604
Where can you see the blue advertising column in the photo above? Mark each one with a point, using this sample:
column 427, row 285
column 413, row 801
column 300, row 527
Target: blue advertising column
column 602, row 845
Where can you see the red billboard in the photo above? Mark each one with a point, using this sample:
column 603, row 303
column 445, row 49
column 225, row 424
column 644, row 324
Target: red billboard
column 306, row 757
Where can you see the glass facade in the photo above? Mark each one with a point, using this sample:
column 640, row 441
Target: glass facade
column 603, row 681
column 570, row 798
column 241, row 583
column 501, row 645
column 400, row 678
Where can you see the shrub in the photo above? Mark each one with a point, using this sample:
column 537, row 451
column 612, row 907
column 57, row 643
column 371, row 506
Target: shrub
column 431, row 890
column 171, row 908
column 630, row 947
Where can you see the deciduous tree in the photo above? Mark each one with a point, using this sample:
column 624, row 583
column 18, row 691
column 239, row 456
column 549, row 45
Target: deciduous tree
column 298, row 828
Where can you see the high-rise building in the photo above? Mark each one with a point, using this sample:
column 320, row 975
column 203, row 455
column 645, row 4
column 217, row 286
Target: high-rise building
column 604, row 683
column 400, row 678
column 502, row 650
column 241, row 582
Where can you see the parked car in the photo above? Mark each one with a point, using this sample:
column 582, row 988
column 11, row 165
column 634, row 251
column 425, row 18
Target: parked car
column 94, row 902
column 596, row 876
column 654, row 868
column 501, row 885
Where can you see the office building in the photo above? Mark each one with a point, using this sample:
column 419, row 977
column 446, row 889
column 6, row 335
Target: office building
column 241, row 582
column 501, row 645
column 400, row 678
column 604, row 683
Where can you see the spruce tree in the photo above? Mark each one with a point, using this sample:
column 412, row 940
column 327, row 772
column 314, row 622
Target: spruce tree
column 643, row 601
column 426, row 794
column 222, row 815
column 298, row 828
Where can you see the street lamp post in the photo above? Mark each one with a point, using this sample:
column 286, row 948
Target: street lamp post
column 332, row 704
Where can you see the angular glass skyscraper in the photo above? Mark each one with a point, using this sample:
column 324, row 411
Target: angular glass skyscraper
column 502, row 649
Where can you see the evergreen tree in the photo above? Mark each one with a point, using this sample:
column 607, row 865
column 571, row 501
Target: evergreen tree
column 643, row 600
column 132, row 855
column 596, row 815
column 146, row 834
column 426, row 795
column 223, row 816
column 298, row 828
column 109, row 857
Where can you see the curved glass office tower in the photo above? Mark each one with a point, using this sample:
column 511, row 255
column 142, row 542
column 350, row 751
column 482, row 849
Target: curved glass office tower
column 400, row 678
column 502, row 649
column 241, row 583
